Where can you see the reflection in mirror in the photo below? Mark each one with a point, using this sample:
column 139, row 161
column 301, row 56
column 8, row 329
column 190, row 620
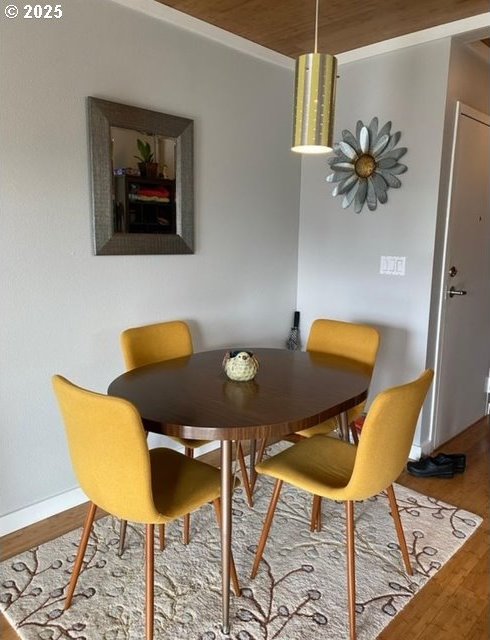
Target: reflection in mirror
column 144, row 184
column 142, row 176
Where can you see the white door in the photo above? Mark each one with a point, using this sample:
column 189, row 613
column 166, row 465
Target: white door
column 463, row 357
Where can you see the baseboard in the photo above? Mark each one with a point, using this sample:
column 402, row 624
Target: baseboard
column 46, row 508
column 41, row 510
column 418, row 450
column 21, row 518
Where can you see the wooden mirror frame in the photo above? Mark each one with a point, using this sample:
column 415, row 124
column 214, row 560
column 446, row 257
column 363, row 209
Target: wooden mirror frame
column 103, row 115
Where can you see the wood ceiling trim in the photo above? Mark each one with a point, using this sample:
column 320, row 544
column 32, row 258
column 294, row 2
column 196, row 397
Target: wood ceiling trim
column 287, row 26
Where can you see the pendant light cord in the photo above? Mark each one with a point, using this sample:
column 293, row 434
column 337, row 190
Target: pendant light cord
column 316, row 26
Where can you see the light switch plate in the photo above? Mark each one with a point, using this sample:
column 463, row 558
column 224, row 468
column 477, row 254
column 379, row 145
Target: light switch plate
column 392, row 265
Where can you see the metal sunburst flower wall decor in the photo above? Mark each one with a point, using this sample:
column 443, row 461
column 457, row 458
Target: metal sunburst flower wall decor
column 365, row 165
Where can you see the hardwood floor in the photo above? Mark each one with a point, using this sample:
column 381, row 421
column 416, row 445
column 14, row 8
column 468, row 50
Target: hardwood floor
column 454, row 604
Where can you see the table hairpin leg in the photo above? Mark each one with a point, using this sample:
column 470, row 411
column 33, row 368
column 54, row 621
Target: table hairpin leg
column 253, row 453
column 226, row 479
column 344, row 426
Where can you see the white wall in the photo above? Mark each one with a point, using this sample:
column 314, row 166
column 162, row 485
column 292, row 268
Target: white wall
column 339, row 251
column 468, row 82
column 62, row 307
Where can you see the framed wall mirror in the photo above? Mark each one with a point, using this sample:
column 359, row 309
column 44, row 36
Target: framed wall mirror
column 142, row 180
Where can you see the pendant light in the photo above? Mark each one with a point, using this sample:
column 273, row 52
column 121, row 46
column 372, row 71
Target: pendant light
column 314, row 99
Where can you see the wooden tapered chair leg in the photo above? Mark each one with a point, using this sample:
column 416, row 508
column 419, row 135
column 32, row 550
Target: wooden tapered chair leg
column 263, row 444
column 399, row 529
column 122, row 536
column 262, row 447
column 267, row 525
column 245, row 477
column 161, row 536
column 189, row 452
column 234, row 575
column 351, row 568
column 319, row 515
column 315, row 509
column 87, row 528
column 149, row 572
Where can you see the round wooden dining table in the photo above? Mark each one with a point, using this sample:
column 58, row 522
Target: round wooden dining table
column 192, row 397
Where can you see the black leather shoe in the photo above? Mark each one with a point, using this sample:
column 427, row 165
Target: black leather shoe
column 428, row 468
column 458, row 460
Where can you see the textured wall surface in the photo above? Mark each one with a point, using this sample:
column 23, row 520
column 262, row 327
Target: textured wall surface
column 62, row 307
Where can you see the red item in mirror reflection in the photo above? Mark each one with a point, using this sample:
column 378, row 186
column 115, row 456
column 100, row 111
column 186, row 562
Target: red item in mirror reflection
column 158, row 193
column 153, row 195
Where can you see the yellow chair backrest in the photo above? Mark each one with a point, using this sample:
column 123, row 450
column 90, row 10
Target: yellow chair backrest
column 108, row 451
column 387, row 436
column 346, row 339
column 155, row 343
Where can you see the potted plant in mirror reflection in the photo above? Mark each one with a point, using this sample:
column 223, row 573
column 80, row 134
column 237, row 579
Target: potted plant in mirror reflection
column 148, row 168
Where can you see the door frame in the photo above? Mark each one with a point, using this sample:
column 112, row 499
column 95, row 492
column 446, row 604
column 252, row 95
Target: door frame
column 462, row 109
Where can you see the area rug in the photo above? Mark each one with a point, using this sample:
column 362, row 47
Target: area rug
column 299, row 592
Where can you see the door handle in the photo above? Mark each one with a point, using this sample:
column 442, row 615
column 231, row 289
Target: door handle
column 452, row 291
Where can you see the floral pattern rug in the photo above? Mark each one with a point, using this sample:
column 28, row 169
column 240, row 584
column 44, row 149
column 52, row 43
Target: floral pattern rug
column 299, row 592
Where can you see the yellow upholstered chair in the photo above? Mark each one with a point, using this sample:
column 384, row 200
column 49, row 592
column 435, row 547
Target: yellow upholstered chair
column 357, row 342
column 156, row 343
column 114, row 467
column 335, row 469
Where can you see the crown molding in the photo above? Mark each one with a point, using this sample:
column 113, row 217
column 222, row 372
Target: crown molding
column 480, row 24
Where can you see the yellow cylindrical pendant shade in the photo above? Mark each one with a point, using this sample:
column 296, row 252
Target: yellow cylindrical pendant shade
column 314, row 99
